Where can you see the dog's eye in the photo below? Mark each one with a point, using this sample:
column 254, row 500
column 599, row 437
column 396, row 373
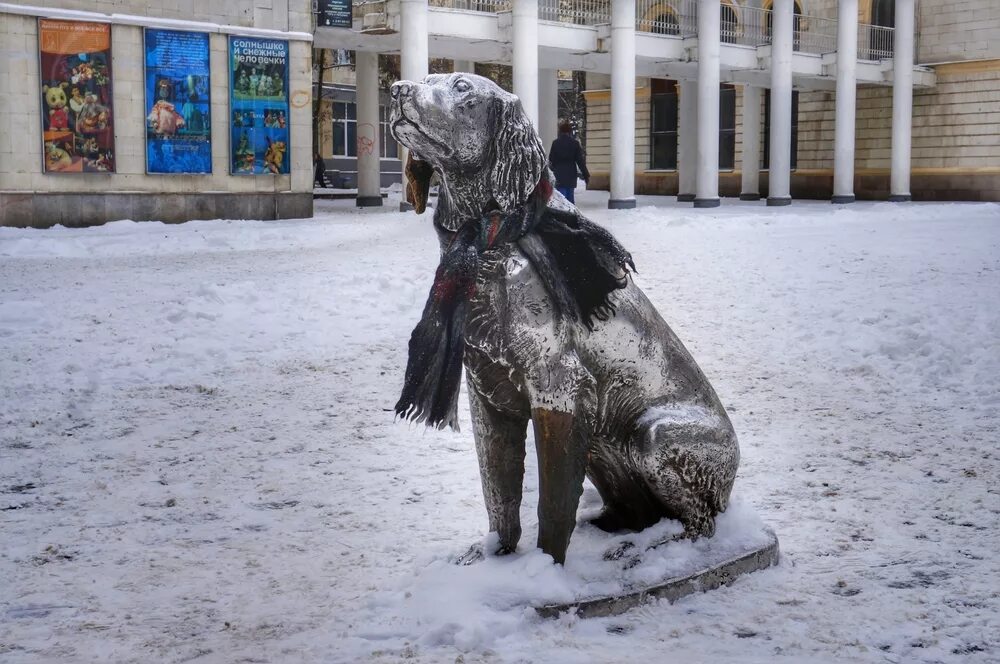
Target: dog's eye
column 462, row 86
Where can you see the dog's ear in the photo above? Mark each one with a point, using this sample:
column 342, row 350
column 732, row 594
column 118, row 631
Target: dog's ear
column 519, row 158
column 418, row 182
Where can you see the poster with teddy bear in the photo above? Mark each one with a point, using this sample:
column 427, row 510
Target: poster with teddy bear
column 78, row 133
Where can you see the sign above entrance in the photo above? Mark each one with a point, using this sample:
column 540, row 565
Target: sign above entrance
column 333, row 13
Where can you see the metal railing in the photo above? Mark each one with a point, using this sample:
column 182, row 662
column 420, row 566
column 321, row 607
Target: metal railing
column 679, row 17
column 875, row 42
column 815, row 35
column 580, row 12
column 489, row 6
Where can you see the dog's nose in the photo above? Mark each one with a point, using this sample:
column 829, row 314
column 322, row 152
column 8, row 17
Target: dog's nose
column 400, row 89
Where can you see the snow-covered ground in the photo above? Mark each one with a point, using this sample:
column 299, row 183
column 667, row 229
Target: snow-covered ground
column 198, row 460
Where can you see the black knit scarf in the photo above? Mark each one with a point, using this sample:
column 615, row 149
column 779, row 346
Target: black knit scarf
column 579, row 262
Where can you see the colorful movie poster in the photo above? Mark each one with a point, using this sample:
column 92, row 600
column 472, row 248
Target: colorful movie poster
column 258, row 105
column 178, row 117
column 78, row 132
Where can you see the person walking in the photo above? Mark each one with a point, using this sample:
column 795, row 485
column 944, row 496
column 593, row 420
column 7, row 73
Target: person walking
column 319, row 171
column 565, row 157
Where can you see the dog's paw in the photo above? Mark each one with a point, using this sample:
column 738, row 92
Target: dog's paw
column 474, row 555
column 619, row 552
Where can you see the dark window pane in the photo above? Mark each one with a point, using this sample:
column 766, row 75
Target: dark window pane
column 727, row 150
column 664, row 113
column 352, row 111
column 352, row 139
column 727, row 126
column 766, row 148
column 391, row 148
column 727, row 106
column 339, row 110
column 664, row 151
column 339, row 149
column 884, row 13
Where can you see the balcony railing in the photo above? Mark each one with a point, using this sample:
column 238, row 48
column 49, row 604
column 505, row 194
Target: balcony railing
column 751, row 27
column 580, row 12
column 490, row 6
column 874, row 42
column 678, row 18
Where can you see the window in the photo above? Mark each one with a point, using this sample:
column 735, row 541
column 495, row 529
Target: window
column 664, row 113
column 345, row 129
column 796, row 24
column 729, row 25
column 389, row 149
column 727, row 127
column 663, row 124
column 767, row 129
column 883, row 15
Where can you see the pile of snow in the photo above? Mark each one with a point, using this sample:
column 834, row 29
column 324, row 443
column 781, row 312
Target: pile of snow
column 199, row 462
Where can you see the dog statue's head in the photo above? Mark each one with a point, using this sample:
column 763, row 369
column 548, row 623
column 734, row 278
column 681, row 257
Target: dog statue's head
column 474, row 135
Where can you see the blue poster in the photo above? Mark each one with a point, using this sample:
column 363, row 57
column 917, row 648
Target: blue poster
column 178, row 117
column 258, row 106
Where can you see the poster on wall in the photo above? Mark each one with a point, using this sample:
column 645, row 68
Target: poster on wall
column 78, row 134
column 258, row 106
column 178, row 118
column 334, row 13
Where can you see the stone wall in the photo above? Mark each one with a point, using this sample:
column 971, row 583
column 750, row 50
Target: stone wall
column 958, row 30
column 20, row 113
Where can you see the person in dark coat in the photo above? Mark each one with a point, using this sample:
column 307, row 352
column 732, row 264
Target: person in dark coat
column 565, row 157
column 319, row 171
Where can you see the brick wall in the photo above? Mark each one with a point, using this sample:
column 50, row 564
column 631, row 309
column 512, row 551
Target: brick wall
column 958, row 30
column 955, row 124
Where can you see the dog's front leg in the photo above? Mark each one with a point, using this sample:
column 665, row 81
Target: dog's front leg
column 500, row 449
column 560, row 414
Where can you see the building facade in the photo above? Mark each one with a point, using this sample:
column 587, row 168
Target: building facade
column 140, row 109
column 775, row 99
column 955, row 151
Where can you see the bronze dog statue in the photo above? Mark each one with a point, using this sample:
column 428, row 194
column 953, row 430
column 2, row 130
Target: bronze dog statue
column 536, row 301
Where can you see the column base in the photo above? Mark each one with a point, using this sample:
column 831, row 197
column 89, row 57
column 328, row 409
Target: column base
column 621, row 203
column 840, row 199
column 405, row 207
column 900, row 198
column 779, row 201
column 749, row 197
column 706, row 202
column 369, row 201
column 685, row 198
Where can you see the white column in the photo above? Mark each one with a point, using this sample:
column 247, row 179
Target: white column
column 687, row 142
column 369, row 173
column 847, row 65
column 622, row 105
column 750, row 187
column 525, row 36
column 780, row 166
column 548, row 106
column 707, row 186
column 413, row 56
column 902, row 101
column 467, row 66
